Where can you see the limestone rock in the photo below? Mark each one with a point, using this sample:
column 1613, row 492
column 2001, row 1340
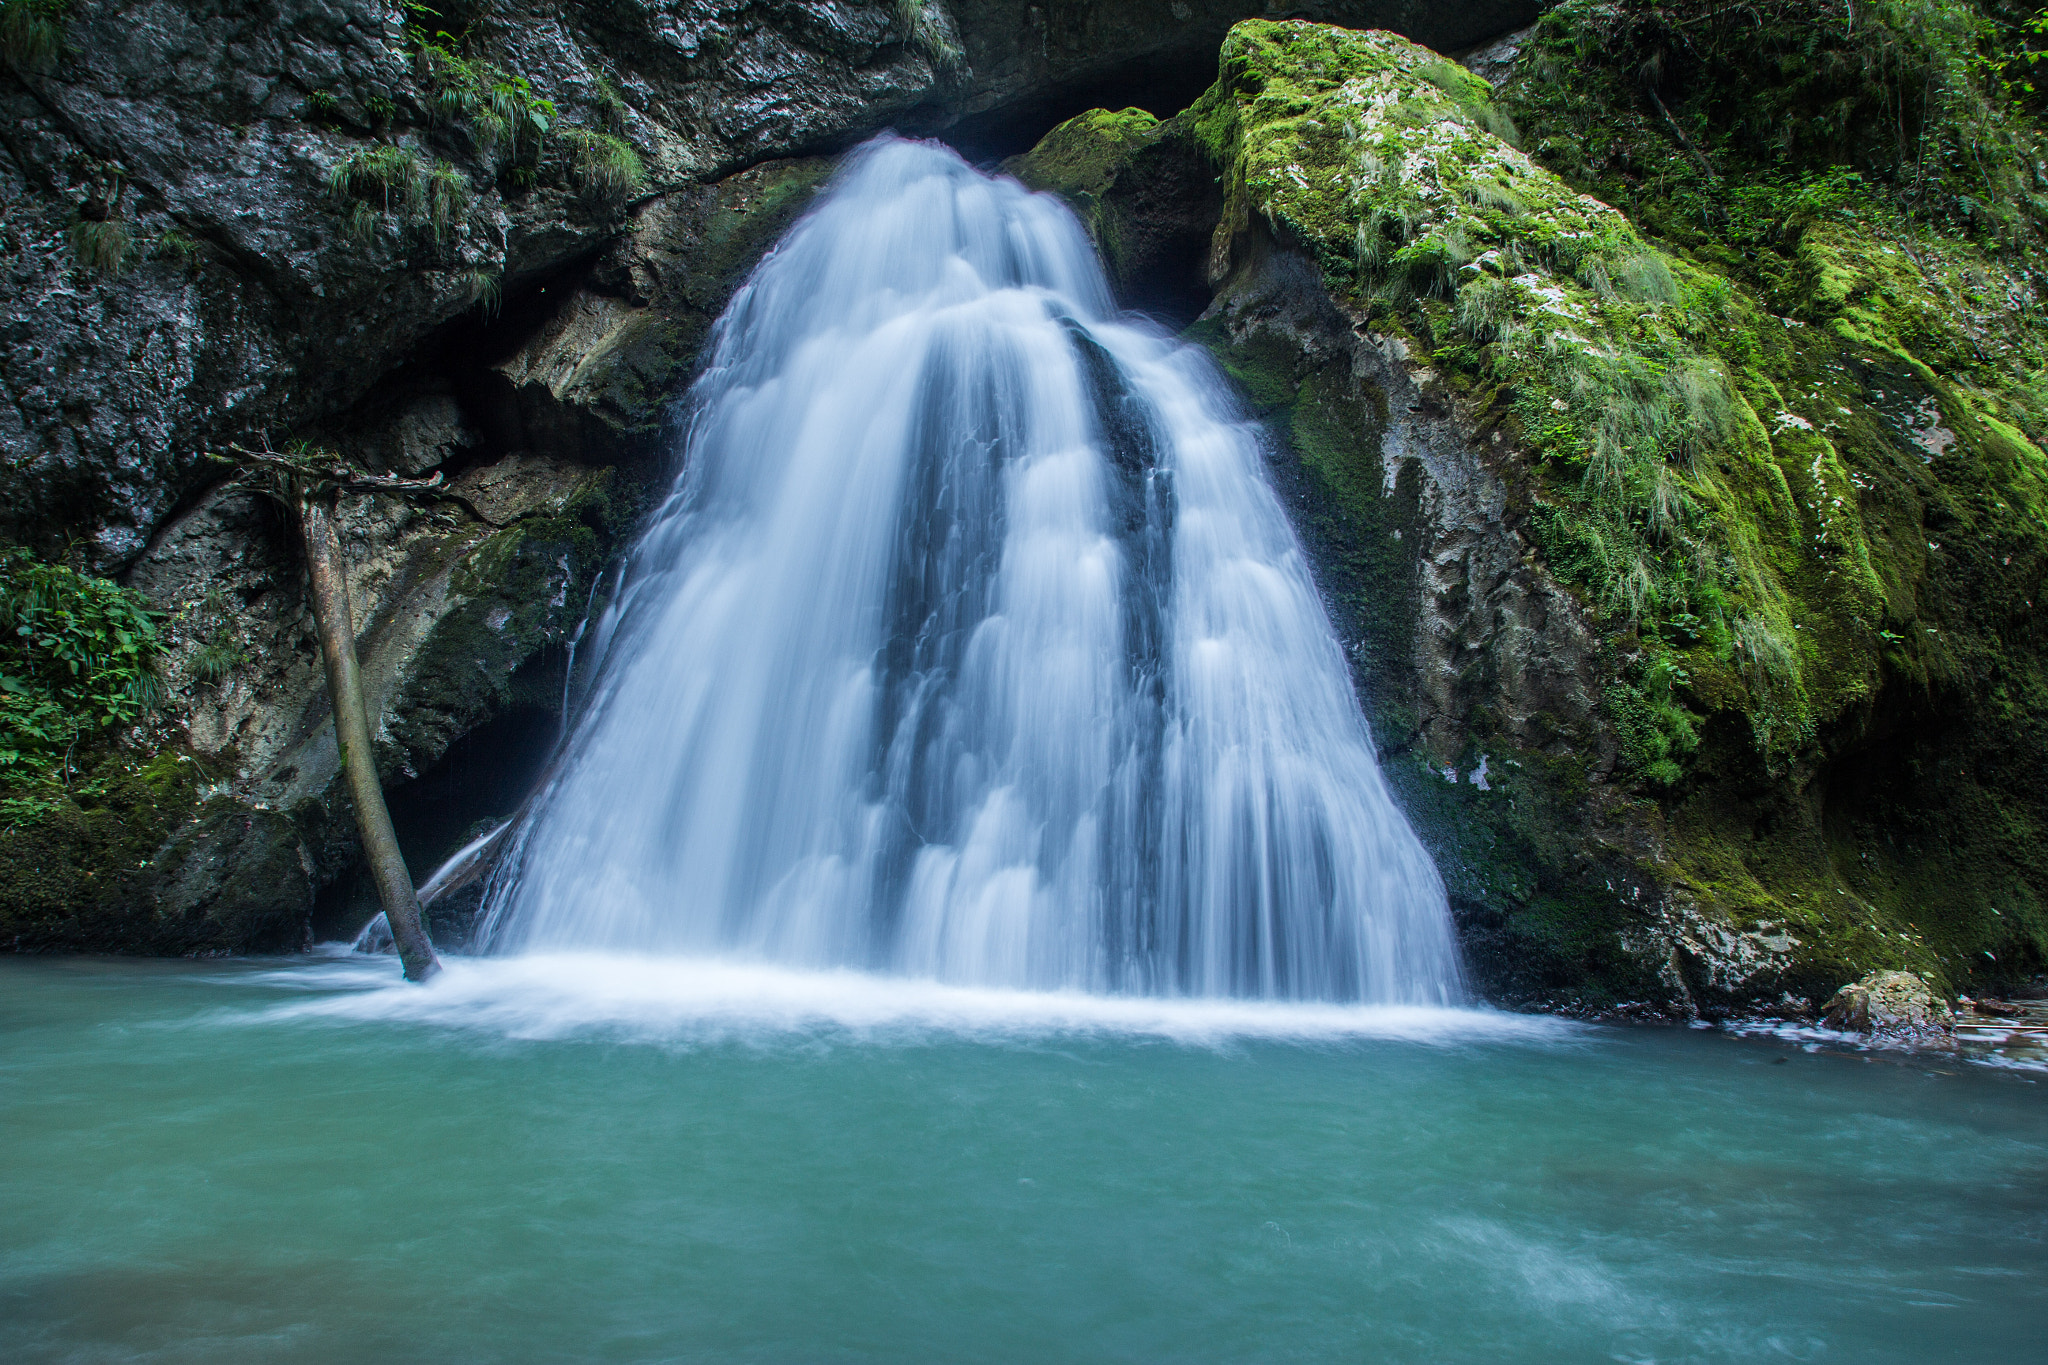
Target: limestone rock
column 1896, row 1007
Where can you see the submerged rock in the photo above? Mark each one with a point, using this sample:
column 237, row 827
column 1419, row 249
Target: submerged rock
column 1895, row 1007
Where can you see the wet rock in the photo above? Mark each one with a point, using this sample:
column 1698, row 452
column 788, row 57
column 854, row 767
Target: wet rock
column 1893, row 1007
column 1664, row 809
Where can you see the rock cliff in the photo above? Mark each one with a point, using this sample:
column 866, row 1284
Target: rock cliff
column 1685, row 585
column 484, row 239
column 1665, row 429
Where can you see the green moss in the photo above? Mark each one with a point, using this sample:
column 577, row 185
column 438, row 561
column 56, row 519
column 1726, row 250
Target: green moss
column 133, row 857
column 1785, row 457
column 1390, row 169
column 1088, row 161
column 1081, row 157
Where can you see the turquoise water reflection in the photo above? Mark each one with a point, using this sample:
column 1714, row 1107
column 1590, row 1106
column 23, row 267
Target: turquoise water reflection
column 292, row 1160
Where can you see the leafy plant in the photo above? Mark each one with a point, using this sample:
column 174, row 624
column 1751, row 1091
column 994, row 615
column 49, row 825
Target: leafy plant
column 497, row 107
column 77, row 655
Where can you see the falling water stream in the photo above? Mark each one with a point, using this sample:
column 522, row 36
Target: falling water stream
column 973, row 644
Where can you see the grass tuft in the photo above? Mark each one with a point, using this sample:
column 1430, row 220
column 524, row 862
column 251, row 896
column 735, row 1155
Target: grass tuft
column 32, row 34
column 390, row 181
column 100, row 244
column 606, row 165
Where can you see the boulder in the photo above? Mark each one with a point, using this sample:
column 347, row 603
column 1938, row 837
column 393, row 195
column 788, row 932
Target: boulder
column 1892, row 1007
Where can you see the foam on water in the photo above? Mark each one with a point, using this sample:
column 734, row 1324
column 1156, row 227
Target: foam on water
column 692, row 1001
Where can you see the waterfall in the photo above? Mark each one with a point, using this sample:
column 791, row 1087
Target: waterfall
column 972, row 643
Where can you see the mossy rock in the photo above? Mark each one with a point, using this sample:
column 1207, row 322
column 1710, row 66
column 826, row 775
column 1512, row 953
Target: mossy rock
column 137, row 856
column 1799, row 509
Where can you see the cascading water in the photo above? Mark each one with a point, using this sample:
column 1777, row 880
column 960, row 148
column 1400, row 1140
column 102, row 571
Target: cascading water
column 972, row 643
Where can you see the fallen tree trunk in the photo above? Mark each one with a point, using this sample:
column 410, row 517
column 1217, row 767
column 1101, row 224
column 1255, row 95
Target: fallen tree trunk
column 336, row 624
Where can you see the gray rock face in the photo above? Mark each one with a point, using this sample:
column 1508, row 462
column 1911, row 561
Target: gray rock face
column 181, row 276
column 208, row 135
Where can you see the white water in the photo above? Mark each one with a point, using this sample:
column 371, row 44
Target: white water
column 689, row 1002
column 972, row 644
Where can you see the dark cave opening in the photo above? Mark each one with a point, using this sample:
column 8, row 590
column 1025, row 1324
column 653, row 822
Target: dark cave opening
column 481, row 780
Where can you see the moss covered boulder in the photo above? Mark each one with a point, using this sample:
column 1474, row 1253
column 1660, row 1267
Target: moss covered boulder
column 1693, row 609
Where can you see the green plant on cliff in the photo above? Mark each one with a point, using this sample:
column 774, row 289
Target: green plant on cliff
column 99, row 245
column 217, row 650
column 1759, row 100
column 604, row 164
column 77, row 656
column 498, row 108
column 611, row 106
column 1390, row 166
column 923, row 25
column 32, row 33
column 1776, row 425
column 387, row 181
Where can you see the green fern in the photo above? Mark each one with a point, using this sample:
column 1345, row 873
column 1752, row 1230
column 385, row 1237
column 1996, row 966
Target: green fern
column 496, row 106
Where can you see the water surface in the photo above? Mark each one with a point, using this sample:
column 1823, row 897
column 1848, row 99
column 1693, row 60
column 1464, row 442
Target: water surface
column 629, row 1160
